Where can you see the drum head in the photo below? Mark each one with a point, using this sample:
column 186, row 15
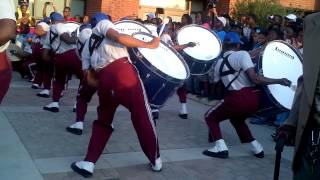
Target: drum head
column 208, row 44
column 130, row 27
column 153, row 28
column 163, row 58
column 281, row 60
column 72, row 27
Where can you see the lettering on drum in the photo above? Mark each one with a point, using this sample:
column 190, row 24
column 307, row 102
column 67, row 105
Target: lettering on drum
column 284, row 53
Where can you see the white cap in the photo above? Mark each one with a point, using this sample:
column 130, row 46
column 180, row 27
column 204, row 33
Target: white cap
column 291, row 17
column 151, row 15
column 44, row 26
column 222, row 20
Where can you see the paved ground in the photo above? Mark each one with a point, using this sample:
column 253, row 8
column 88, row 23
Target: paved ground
column 34, row 144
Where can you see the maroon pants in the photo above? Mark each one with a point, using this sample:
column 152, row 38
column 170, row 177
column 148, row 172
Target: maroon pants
column 182, row 93
column 85, row 93
column 5, row 74
column 236, row 106
column 44, row 69
column 65, row 64
column 119, row 83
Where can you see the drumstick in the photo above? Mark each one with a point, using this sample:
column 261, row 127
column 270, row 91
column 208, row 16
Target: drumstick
column 166, row 21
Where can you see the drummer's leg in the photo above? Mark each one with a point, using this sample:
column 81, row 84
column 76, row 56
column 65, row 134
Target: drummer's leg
column 182, row 93
column 5, row 75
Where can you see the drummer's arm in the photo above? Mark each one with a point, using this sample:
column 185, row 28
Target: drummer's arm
column 183, row 46
column 261, row 80
column 130, row 41
column 7, row 30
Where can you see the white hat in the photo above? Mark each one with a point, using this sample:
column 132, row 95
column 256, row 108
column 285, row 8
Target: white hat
column 222, row 20
column 44, row 26
column 291, row 17
column 151, row 15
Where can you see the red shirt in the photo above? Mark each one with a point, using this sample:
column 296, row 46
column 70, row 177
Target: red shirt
column 70, row 19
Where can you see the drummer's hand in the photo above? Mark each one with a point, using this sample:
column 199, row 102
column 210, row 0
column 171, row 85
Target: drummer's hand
column 154, row 43
column 285, row 82
column 191, row 44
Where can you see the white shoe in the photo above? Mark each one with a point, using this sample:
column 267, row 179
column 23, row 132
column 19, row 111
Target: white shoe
column 53, row 107
column 84, row 168
column 158, row 165
column 44, row 93
column 257, row 149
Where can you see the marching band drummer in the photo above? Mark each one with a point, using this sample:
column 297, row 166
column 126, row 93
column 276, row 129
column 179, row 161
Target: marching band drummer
column 42, row 30
column 85, row 91
column 66, row 60
column 118, row 83
column 236, row 70
column 7, row 32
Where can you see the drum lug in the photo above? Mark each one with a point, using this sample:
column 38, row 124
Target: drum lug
column 147, row 76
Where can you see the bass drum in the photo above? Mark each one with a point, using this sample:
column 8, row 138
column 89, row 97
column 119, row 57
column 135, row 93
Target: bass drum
column 280, row 60
column 130, row 27
column 162, row 70
column 200, row 58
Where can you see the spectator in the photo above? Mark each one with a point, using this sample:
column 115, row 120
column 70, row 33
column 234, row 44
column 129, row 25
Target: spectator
column 78, row 19
column 67, row 14
column 86, row 19
column 24, row 17
column 219, row 26
column 44, row 10
column 150, row 16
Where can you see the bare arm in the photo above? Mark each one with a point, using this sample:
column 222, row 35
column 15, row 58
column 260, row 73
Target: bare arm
column 261, row 80
column 7, row 30
column 130, row 41
column 44, row 11
column 183, row 46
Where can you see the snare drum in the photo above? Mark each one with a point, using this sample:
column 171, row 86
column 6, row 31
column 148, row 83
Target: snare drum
column 161, row 70
column 280, row 60
column 130, row 27
column 201, row 57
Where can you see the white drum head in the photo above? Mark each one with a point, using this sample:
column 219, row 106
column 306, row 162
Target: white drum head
column 153, row 28
column 280, row 60
column 72, row 27
column 208, row 45
column 163, row 58
column 130, row 27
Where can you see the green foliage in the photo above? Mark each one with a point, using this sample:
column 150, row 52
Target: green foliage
column 261, row 8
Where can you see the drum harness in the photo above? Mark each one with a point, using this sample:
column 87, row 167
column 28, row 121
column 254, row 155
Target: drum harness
column 94, row 42
column 230, row 70
column 53, row 36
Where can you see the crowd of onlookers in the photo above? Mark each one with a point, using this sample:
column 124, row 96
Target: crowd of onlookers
column 254, row 37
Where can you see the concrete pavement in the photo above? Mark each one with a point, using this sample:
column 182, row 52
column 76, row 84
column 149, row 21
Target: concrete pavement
column 34, row 144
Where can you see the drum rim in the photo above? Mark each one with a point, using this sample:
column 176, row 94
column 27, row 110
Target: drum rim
column 266, row 88
column 135, row 22
column 196, row 25
column 158, row 72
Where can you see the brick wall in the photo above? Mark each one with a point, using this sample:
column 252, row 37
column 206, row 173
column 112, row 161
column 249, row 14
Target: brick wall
column 115, row 8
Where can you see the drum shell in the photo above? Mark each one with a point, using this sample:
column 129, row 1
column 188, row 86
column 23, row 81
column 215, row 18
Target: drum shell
column 158, row 85
column 197, row 67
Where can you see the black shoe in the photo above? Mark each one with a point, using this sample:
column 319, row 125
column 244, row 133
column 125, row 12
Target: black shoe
column 155, row 115
column 35, row 86
column 43, row 95
column 183, row 116
column 74, row 130
column 82, row 172
column 259, row 155
column 74, row 110
column 221, row 154
column 51, row 109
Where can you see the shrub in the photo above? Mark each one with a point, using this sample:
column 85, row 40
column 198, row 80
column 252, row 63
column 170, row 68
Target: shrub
column 261, row 8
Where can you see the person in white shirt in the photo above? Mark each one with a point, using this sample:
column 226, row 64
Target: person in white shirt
column 85, row 91
column 7, row 32
column 66, row 60
column 118, row 84
column 236, row 71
